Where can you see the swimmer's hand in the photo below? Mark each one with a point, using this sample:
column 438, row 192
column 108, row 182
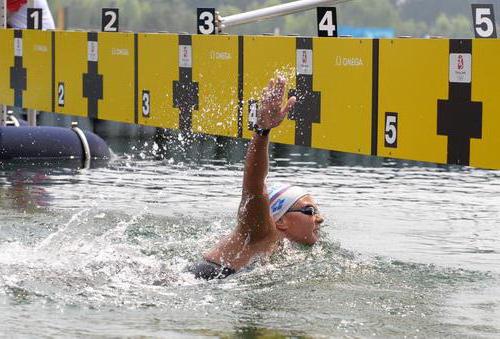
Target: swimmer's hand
column 271, row 111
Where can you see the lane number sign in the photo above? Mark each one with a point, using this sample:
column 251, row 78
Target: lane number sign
column 35, row 18
column 484, row 21
column 391, row 130
column 252, row 114
column 110, row 19
column 146, row 103
column 327, row 22
column 60, row 94
column 206, row 21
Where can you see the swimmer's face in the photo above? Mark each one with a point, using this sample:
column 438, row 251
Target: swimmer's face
column 300, row 227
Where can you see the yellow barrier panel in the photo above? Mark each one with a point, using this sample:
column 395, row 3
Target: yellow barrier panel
column 37, row 58
column 413, row 77
column 263, row 58
column 70, row 65
column 343, row 75
column 432, row 100
column 486, row 89
column 215, row 68
column 116, row 64
column 157, row 70
column 6, row 63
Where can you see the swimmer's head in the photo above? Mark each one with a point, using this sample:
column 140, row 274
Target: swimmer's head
column 282, row 197
column 295, row 213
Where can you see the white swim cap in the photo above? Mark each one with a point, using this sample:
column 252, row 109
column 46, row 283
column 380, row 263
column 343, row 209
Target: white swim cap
column 282, row 197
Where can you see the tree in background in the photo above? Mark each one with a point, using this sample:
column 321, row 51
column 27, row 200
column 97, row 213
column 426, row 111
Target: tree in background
column 419, row 18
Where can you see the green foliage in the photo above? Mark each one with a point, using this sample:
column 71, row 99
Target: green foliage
column 419, row 18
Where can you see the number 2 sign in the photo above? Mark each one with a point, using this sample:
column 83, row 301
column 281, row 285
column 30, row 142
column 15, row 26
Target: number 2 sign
column 110, row 20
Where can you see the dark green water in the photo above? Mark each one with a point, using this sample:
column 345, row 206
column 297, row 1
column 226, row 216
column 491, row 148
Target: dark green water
column 406, row 250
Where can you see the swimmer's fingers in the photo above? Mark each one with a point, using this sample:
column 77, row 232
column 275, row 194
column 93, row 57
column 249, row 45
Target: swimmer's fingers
column 280, row 88
column 267, row 92
column 285, row 110
column 272, row 112
column 278, row 92
column 289, row 105
column 281, row 113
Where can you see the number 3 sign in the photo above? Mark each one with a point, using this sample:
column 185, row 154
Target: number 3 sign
column 206, row 21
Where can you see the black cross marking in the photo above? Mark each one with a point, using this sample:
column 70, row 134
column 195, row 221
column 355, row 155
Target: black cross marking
column 460, row 118
column 92, row 84
column 18, row 75
column 186, row 92
column 307, row 109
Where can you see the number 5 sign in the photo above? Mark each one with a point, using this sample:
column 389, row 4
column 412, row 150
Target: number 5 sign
column 484, row 21
column 327, row 21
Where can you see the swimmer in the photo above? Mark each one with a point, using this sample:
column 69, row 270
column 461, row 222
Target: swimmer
column 266, row 216
column 17, row 16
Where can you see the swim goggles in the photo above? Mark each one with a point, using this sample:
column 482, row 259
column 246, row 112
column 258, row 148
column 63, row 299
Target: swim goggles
column 308, row 210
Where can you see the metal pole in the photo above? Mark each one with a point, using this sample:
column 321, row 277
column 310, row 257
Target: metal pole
column 31, row 112
column 3, row 24
column 3, row 13
column 274, row 11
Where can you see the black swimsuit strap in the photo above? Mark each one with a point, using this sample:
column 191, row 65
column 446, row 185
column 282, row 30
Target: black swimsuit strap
column 209, row 270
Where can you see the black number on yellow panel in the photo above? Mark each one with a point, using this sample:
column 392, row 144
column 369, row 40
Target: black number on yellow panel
column 206, row 20
column 146, row 103
column 391, row 130
column 252, row 114
column 60, row 94
column 110, row 19
column 484, row 21
column 327, row 21
column 35, row 18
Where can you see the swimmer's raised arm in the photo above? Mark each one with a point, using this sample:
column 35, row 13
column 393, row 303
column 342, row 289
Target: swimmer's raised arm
column 254, row 208
column 271, row 113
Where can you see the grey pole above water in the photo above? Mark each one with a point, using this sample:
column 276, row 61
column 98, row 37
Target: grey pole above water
column 31, row 112
column 275, row 11
column 3, row 24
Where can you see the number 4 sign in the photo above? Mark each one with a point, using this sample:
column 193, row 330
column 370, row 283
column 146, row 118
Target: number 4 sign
column 484, row 21
column 327, row 21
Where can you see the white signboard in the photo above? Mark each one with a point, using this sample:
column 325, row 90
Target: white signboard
column 18, row 47
column 185, row 56
column 93, row 51
column 460, row 68
column 304, row 61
